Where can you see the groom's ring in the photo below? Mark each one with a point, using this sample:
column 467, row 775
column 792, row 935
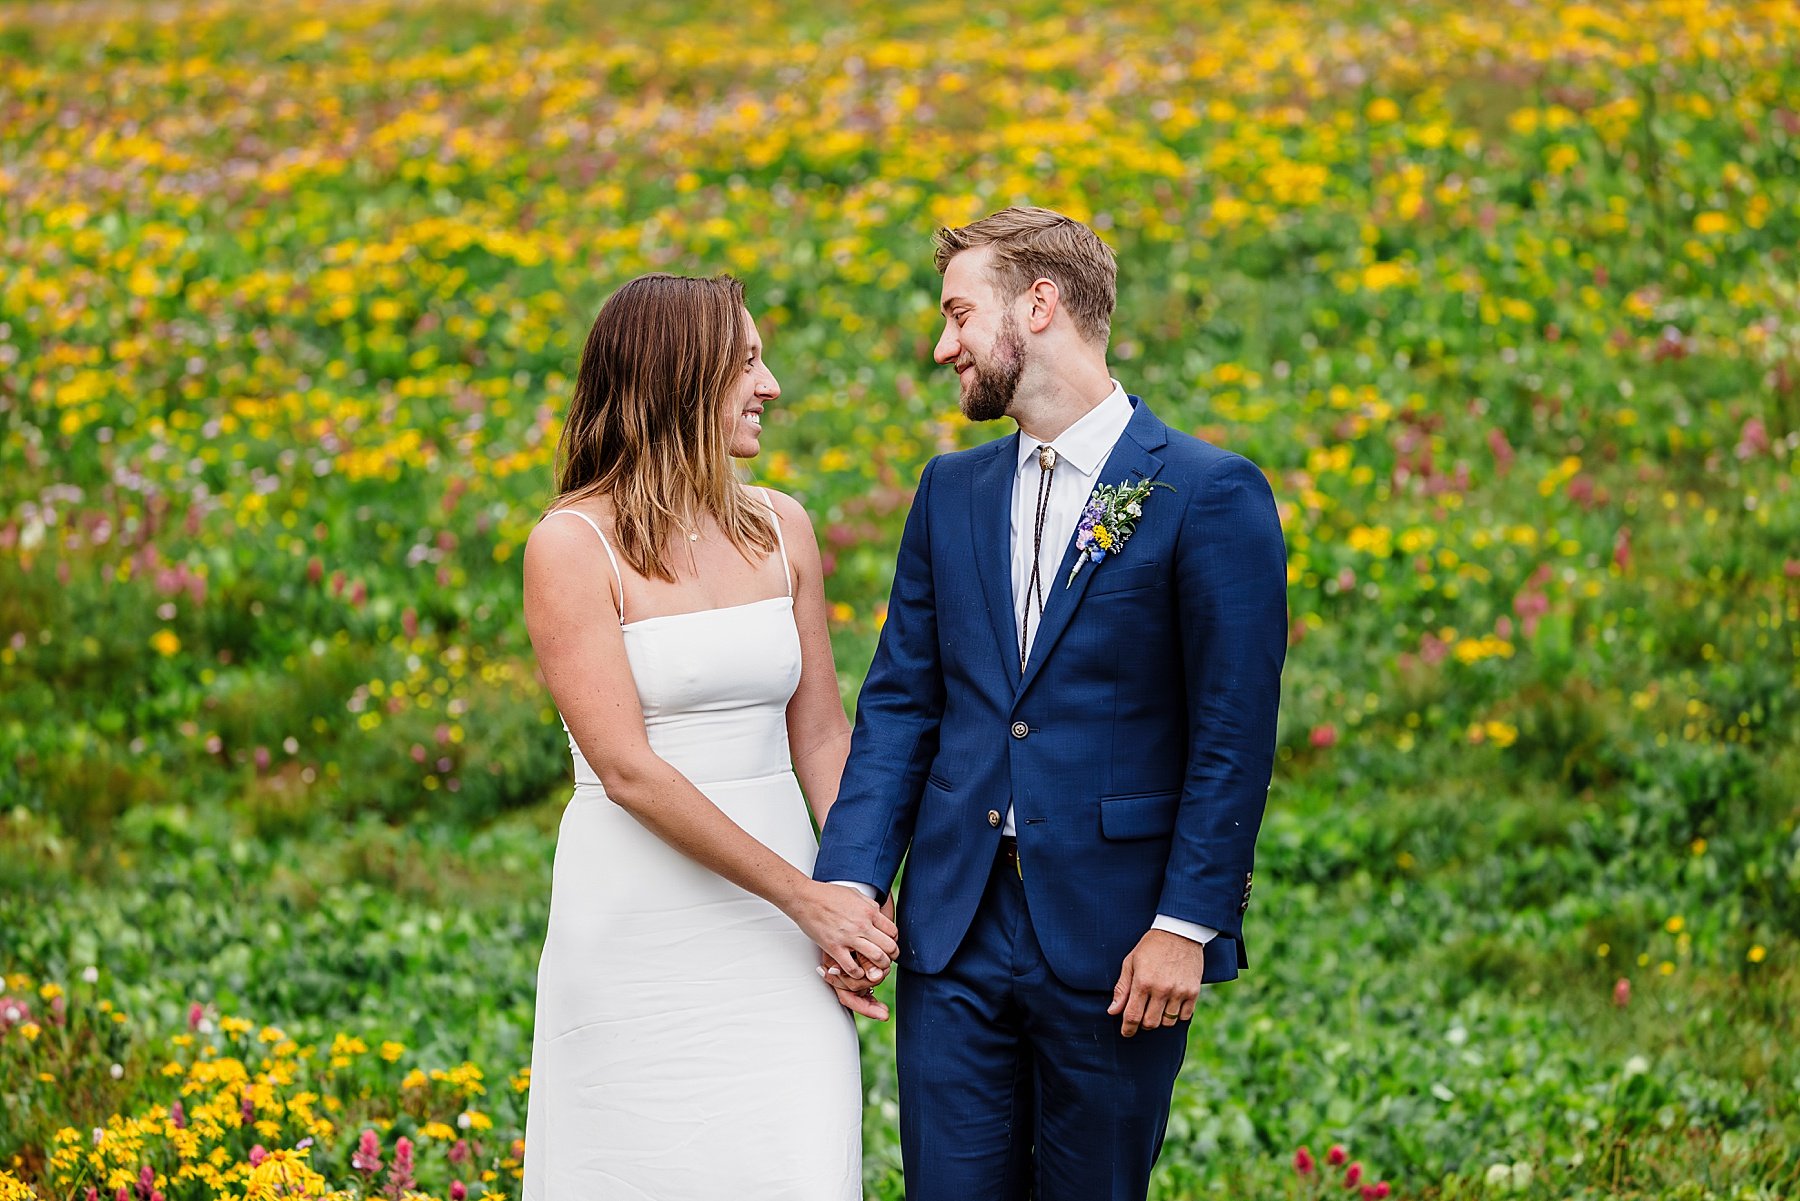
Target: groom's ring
column 1171, row 1013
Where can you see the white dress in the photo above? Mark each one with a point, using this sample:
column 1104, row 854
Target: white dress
column 685, row 1048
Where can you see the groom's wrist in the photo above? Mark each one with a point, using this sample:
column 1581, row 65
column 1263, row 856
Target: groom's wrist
column 1192, row 931
column 867, row 890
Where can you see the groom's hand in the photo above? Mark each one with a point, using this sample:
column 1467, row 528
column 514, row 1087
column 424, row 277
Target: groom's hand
column 856, row 995
column 1158, row 983
column 853, row 993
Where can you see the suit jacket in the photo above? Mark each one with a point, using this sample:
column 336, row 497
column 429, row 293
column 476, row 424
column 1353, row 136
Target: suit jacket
column 1136, row 748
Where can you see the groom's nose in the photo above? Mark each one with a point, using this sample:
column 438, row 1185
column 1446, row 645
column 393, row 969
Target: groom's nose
column 948, row 348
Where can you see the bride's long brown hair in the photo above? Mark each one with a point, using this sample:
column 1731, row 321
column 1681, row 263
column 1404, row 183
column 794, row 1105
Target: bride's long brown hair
column 646, row 428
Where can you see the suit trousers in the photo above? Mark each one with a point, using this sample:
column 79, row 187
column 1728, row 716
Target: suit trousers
column 1014, row 1085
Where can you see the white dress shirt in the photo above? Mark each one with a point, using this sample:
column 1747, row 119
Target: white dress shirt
column 1081, row 454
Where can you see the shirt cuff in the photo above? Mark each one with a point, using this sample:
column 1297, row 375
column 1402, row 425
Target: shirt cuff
column 865, row 889
column 1192, row 931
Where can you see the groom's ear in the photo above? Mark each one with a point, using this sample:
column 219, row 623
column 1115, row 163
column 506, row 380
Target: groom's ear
column 1045, row 298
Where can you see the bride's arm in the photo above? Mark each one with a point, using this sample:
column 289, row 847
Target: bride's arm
column 818, row 731
column 581, row 650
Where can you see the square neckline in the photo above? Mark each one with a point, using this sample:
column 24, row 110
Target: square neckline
column 767, row 600
column 787, row 574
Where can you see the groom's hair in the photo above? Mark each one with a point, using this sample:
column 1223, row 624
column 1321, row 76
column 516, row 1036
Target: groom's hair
column 1036, row 243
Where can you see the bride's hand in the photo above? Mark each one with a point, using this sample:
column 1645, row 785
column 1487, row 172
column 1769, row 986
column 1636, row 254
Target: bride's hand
column 848, row 928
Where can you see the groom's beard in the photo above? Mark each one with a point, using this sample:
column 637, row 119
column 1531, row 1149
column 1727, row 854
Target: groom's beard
column 991, row 387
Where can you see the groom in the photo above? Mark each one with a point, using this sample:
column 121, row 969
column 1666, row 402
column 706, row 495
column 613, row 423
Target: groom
column 1067, row 732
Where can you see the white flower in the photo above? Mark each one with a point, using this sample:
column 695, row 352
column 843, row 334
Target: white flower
column 90, row 974
column 205, row 1026
column 118, row 1071
column 1135, row 509
column 1499, row 1175
column 99, row 1134
column 1521, row 1176
column 1637, row 1065
column 464, row 1121
column 12, row 1013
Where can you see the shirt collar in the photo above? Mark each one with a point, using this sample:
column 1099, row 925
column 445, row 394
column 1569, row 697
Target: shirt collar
column 1085, row 445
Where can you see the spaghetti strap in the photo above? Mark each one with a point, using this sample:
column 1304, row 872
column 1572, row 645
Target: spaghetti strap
column 605, row 546
column 787, row 573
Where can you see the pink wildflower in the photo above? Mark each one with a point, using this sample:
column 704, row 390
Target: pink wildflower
column 257, row 1155
column 459, row 1151
column 177, row 1116
column 196, row 1012
column 400, row 1176
column 1622, row 993
column 458, row 1191
column 1303, row 1162
column 367, row 1158
column 1337, row 1155
column 1352, row 1175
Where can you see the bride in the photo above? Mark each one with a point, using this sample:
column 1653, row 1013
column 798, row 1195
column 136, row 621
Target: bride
column 685, row 1047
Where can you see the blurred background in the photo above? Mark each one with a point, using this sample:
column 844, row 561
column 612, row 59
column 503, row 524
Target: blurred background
column 1504, row 299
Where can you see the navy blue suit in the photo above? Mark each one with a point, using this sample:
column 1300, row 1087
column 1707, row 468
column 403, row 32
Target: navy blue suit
column 1136, row 751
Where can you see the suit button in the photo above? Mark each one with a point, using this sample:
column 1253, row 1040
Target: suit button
column 994, row 817
column 1020, row 729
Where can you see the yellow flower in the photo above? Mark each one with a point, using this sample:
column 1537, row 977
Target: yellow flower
column 14, row 1189
column 1712, row 223
column 30, row 1030
column 50, row 991
column 437, row 1130
column 1103, row 536
column 1758, row 953
column 1674, row 925
column 392, row 1051
column 165, row 642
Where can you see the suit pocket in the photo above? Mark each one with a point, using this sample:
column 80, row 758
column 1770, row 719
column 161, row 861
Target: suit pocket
column 938, row 782
column 1139, row 814
column 1125, row 579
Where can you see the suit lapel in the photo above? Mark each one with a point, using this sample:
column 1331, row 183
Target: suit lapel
column 990, row 515
column 1130, row 460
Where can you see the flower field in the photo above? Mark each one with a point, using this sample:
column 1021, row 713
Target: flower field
column 1504, row 298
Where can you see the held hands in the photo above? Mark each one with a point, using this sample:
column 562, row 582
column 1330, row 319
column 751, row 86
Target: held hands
column 856, row 938
column 1158, row 983
column 857, row 993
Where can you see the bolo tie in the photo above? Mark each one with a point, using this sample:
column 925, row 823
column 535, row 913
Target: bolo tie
column 1035, row 589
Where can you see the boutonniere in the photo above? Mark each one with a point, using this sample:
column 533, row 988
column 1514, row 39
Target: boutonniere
column 1108, row 521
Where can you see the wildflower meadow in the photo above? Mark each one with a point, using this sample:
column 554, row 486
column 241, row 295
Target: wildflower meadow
column 1504, row 298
